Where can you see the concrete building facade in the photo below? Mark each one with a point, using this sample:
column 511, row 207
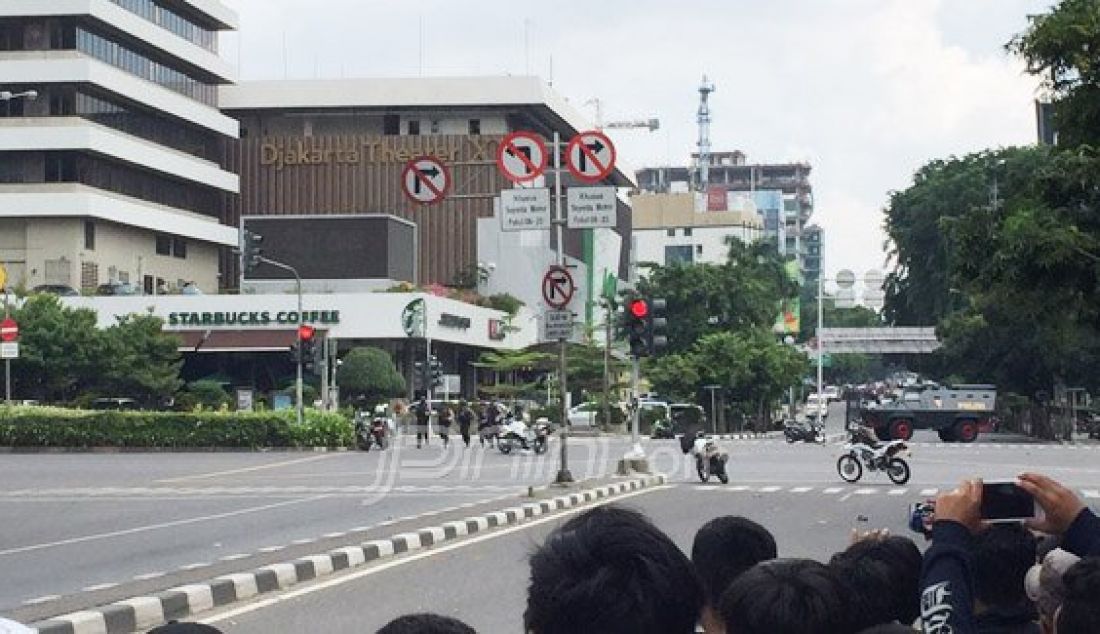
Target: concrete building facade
column 112, row 149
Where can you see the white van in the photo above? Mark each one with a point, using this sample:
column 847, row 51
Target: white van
column 817, row 405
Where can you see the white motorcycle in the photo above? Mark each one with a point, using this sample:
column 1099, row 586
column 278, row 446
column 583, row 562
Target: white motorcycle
column 515, row 432
column 709, row 458
column 863, row 450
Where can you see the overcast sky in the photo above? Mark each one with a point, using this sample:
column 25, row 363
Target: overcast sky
column 864, row 90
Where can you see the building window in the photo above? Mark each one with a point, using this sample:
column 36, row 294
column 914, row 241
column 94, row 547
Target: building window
column 391, row 125
column 123, row 277
column 687, row 232
column 89, row 235
column 678, row 255
column 147, row 285
column 164, row 245
column 413, row 127
column 435, row 126
column 671, row 233
column 60, row 168
column 179, row 248
column 475, row 127
column 699, row 250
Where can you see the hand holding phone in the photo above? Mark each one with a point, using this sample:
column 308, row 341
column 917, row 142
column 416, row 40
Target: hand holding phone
column 1006, row 501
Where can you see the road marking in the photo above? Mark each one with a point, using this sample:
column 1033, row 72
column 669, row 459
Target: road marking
column 403, row 560
column 771, row 489
column 302, row 542
column 234, row 557
column 898, row 491
column 40, row 600
column 801, row 489
column 195, row 566
column 740, row 488
column 929, row 492
column 866, row 491
column 152, row 527
column 274, row 465
column 271, row 549
column 98, row 587
column 1091, row 493
column 333, row 535
column 832, row 490
column 149, row 575
column 709, row 487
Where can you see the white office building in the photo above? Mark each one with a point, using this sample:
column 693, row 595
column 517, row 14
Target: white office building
column 112, row 148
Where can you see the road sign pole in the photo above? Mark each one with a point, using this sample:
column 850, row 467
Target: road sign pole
column 564, row 476
column 7, row 381
column 7, row 314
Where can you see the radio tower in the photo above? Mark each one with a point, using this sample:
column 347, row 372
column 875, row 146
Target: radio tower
column 705, row 89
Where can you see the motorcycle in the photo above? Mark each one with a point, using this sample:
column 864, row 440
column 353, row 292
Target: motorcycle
column 863, row 450
column 662, row 428
column 372, row 434
column 811, row 431
column 515, row 433
column 709, row 458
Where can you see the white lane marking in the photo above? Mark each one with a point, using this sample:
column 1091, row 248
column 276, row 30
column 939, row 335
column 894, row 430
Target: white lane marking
column 406, row 559
column 740, row 488
column 271, row 549
column 771, row 489
column 234, row 557
column 709, row 487
column 866, row 491
column 832, row 490
column 153, row 527
column 45, row 599
column 195, row 566
column 1091, row 493
column 929, row 492
column 99, row 586
column 333, row 535
column 149, row 575
column 801, row 489
column 273, row 465
column 301, row 542
column 898, row 491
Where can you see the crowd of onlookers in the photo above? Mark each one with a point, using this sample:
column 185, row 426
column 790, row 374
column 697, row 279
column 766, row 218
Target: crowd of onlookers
column 609, row 570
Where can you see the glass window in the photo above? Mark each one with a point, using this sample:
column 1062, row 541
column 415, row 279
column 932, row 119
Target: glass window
column 698, row 249
column 179, row 248
column 164, row 245
column 678, row 255
column 475, row 127
column 687, row 231
column 89, row 235
column 413, row 127
column 391, row 125
column 671, row 233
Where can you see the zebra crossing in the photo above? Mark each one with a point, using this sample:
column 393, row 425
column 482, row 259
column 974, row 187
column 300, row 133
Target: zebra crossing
column 248, row 491
column 838, row 491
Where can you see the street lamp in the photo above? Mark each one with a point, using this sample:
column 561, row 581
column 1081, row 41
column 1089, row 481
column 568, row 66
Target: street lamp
column 713, row 408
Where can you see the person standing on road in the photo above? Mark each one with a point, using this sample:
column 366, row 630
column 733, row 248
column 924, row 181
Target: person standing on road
column 465, row 419
column 489, row 423
column 423, row 414
column 446, row 417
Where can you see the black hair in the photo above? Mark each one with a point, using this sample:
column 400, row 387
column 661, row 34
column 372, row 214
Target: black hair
column 1080, row 611
column 787, row 596
column 610, row 571
column 175, row 627
column 888, row 628
column 426, row 624
column 724, row 548
column 1002, row 556
column 883, row 577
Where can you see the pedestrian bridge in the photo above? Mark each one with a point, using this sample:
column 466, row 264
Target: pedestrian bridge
column 879, row 340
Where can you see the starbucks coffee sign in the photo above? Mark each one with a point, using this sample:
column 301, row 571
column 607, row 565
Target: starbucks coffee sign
column 255, row 318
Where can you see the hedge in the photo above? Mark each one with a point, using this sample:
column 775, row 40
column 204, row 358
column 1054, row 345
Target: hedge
column 57, row 427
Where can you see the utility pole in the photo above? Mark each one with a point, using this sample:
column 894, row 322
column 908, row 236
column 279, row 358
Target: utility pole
column 300, row 408
column 607, row 367
column 564, row 476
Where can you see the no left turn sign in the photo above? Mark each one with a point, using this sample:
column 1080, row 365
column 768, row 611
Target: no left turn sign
column 425, row 180
column 590, row 156
column 522, row 156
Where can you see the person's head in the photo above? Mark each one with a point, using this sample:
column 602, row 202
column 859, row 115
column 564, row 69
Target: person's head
column 1045, row 587
column 787, row 596
column 609, row 570
column 724, row 548
column 1080, row 611
column 426, row 624
column 883, row 576
column 1002, row 556
column 185, row 628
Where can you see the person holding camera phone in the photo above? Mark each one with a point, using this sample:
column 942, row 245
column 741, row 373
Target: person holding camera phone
column 947, row 576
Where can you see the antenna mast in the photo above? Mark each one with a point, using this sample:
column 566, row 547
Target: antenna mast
column 705, row 89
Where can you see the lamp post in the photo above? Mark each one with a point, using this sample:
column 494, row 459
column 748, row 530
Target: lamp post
column 713, row 407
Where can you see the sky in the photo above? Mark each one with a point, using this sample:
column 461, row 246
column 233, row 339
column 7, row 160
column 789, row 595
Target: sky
column 866, row 91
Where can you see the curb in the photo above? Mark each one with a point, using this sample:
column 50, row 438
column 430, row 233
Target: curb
column 130, row 615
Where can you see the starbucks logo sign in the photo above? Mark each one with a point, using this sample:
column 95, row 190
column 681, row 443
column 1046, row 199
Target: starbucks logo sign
column 412, row 319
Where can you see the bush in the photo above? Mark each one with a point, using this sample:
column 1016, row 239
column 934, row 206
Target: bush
column 208, row 393
column 57, row 427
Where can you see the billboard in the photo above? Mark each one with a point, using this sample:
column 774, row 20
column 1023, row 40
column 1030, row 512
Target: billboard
column 789, row 321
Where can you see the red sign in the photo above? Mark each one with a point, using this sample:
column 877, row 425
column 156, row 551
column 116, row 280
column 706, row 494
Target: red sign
column 590, row 156
column 558, row 287
column 425, row 180
column 716, row 198
column 522, row 157
column 9, row 330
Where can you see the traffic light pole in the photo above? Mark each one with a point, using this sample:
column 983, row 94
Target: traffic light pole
column 299, row 407
column 564, row 476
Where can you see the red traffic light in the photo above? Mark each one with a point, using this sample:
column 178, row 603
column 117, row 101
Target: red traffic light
column 639, row 308
column 305, row 332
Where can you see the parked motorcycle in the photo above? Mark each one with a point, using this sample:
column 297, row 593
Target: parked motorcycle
column 709, row 458
column 810, row 431
column 370, row 434
column 863, row 450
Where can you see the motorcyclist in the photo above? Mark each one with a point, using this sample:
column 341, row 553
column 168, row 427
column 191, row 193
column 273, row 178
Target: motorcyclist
column 515, row 425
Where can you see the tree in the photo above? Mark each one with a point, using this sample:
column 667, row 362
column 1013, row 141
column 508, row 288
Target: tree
column 206, row 392
column 143, row 362
column 367, row 375
column 1063, row 47
column 61, row 350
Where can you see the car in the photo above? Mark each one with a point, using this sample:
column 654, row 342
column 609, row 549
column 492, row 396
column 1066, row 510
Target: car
column 115, row 288
column 60, row 290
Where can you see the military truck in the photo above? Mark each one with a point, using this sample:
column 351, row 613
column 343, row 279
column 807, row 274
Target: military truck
column 955, row 412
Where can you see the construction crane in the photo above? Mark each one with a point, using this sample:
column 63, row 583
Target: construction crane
column 705, row 89
column 649, row 124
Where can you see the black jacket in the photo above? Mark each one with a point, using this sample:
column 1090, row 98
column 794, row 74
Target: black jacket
column 947, row 598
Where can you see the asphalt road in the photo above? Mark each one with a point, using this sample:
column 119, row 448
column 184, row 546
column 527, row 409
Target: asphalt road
column 791, row 489
column 85, row 529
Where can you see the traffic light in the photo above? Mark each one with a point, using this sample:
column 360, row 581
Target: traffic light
column 419, row 376
column 636, row 319
column 251, row 250
column 436, row 372
column 308, row 348
column 656, row 326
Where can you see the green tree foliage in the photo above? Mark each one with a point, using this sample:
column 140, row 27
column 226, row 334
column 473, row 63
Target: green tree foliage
column 1063, row 48
column 741, row 294
column 205, row 392
column 367, row 375
column 144, row 362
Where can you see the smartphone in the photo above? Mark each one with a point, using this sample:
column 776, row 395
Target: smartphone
column 1006, row 502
